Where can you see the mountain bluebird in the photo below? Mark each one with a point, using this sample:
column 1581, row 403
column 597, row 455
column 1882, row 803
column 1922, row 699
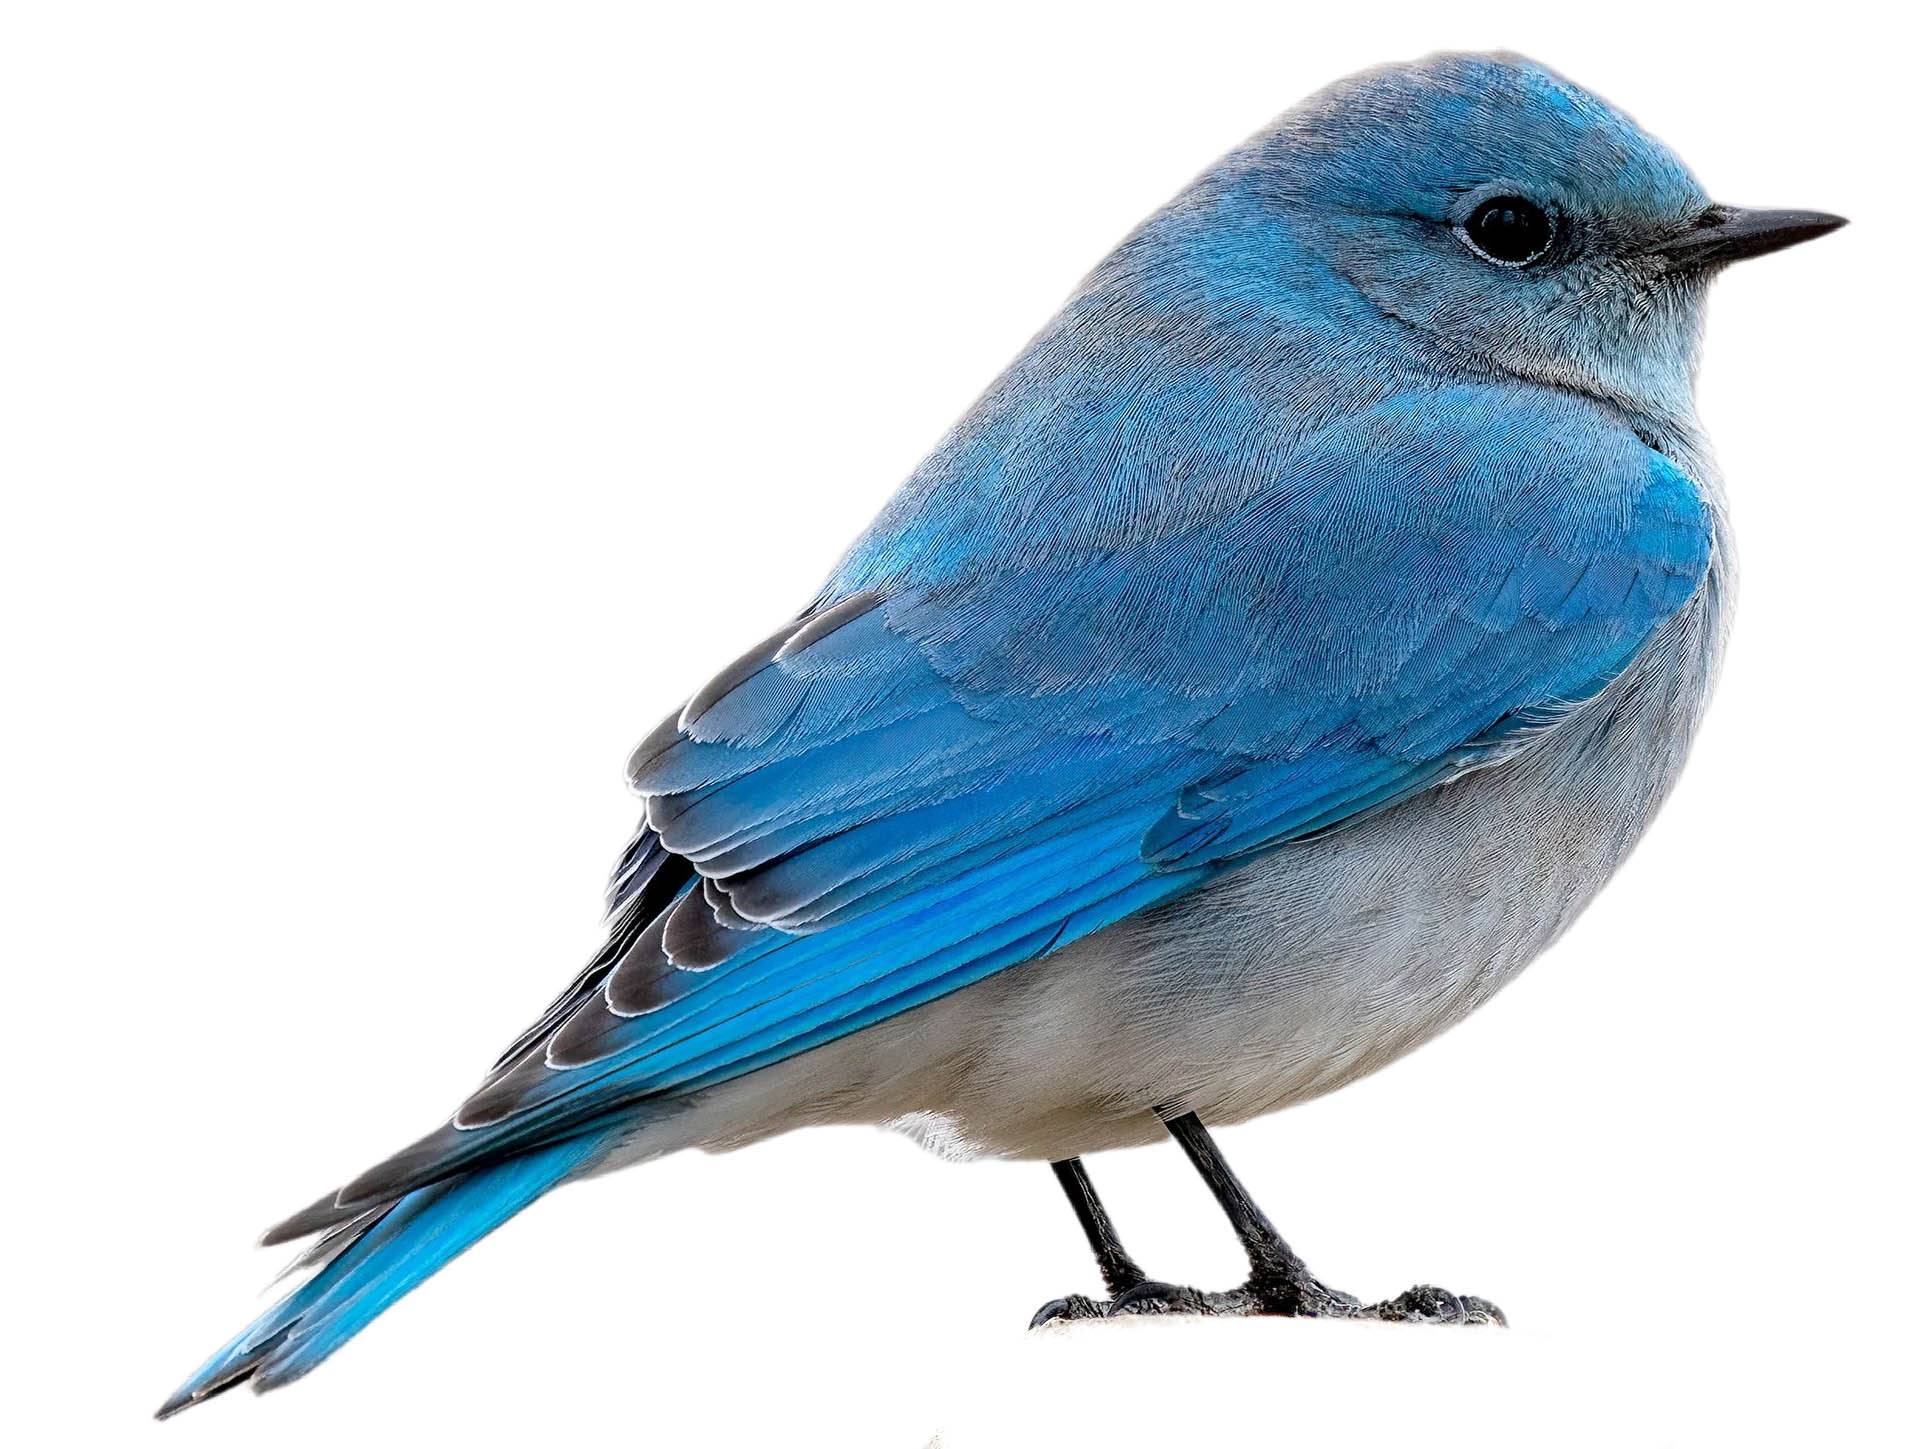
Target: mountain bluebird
column 1278, row 656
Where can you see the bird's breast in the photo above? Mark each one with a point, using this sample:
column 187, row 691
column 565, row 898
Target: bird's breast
column 1319, row 963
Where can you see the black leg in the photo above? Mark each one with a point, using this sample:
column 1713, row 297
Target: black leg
column 1279, row 1282
column 1117, row 1270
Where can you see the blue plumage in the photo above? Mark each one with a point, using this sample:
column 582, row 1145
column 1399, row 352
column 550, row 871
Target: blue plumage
column 406, row 1243
column 1303, row 509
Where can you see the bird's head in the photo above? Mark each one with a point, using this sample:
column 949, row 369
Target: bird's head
column 1511, row 216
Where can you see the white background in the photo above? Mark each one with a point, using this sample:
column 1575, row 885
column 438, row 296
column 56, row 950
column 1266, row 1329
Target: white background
column 405, row 405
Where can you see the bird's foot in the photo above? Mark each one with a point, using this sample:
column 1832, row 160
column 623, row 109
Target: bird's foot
column 1426, row 1303
column 1153, row 1297
column 1297, row 1296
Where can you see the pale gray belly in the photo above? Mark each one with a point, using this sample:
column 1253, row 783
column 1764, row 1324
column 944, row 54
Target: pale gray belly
column 1321, row 962
column 1288, row 978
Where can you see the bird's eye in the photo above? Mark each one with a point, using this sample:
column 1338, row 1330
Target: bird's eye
column 1509, row 229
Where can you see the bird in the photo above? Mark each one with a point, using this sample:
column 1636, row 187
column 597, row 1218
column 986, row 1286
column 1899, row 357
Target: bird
column 1273, row 661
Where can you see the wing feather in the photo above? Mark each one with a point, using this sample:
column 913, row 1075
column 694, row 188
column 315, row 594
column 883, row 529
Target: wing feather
column 967, row 758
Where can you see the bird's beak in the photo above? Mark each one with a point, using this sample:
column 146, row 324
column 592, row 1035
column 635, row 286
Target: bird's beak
column 1719, row 235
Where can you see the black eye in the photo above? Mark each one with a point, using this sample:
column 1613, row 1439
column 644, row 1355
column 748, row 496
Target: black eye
column 1509, row 229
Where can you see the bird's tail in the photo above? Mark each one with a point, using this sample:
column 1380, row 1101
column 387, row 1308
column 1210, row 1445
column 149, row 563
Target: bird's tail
column 372, row 1261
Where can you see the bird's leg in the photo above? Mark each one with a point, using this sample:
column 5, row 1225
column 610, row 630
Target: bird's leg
column 1279, row 1283
column 1118, row 1270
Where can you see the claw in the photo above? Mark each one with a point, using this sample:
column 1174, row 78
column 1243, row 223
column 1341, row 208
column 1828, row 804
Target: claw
column 1074, row 1305
column 1480, row 1312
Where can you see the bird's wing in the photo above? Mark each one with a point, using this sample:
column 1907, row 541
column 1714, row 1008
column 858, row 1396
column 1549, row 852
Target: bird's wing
column 931, row 779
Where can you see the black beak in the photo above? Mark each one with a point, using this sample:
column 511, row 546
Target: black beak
column 1719, row 235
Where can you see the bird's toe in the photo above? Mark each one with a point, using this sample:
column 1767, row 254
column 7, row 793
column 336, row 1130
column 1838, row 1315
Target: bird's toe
column 1153, row 1297
column 1426, row 1303
column 1073, row 1306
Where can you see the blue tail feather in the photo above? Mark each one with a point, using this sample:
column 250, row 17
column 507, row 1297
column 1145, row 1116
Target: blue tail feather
column 419, row 1234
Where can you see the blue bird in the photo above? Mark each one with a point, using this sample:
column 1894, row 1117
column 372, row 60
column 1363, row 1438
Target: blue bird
column 1279, row 656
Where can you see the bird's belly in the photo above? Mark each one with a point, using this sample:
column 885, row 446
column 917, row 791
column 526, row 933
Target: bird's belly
column 1288, row 978
column 1316, row 964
